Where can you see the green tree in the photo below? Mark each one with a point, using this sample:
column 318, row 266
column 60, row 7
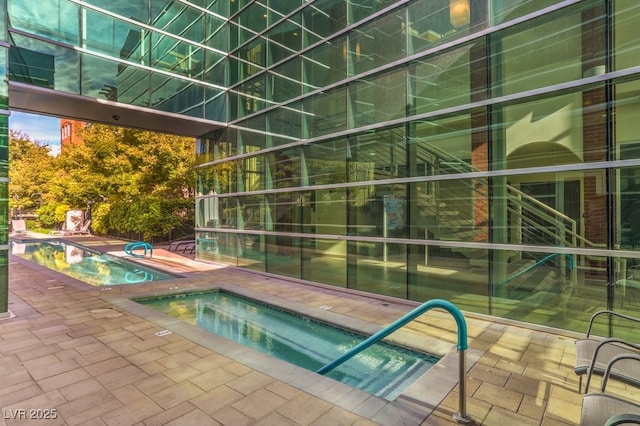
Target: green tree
column 137, row 181
column 31, row 170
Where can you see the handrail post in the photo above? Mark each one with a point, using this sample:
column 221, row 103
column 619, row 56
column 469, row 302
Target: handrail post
column 461, row 416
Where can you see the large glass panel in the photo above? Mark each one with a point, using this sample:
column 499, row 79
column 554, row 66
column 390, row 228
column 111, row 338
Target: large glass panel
column 215, row 107
column 105, row 79
column 382, row 98
column 326, row 113
column 628, row 202
column 377, row 267
column 4, row 78
column 284, row 168
column 226, row 177
column 114, row 37
column 251, row 96
column 286, row 80
column 451, row 78
column 39, row 63
column 4, row 159
column 218, row 247
column 285, row 124
column 378, row 43
column 627, row 20
column 252, row 58
column 283, row 251
column 251, row 253
column 282, row 7
column 253, row 18
column 284, row 40
column 450, row 273
column 561, row 209
column 364, row 8
column 135, row 9
column 502, row 11
column 552, row 49
column 450, row 210
column 170, row 54
column 53, row 19
column 252, row 173
column 322, row 18
column 327, row 211
column 325, row 64
column 432, row 22
column 377, row 211
column 326, row 162
column 325, row 261
column 551, row 289
column 184, row 21
column 377, row 155
column 565, row 129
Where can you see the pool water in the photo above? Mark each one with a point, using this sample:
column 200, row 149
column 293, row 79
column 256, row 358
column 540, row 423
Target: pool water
column 91, row 267
column 383, row 370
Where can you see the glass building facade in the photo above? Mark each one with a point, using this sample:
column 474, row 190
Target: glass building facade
column 481, row 151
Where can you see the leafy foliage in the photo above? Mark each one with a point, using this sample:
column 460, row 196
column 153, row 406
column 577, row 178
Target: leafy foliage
column 133, row 180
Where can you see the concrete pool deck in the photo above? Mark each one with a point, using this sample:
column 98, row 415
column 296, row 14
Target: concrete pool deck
column 86, row 353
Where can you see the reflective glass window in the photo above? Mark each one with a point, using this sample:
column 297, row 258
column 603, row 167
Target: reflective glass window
column 252, row 171
column 362, row 9
column 324, row 261
column 170, row 54
column 322, row 18
column 448, row 79
column 53, row 19
column 285, row 124
column 135, row 9
column 326, row 162
column 284, row 168
column 39, row 62
column 286, row 80
column 503, row 11
column 105, row 79
column 432, row 22
column 563, row 129
column 285, row 39
column 378, row 43
column 379, row 99
column 253, row 18
column 627, row 20
column 377, row 267
column 325, row 64
column 326, row 113
column 377, row 155
column 552, row 49
column 226, row 177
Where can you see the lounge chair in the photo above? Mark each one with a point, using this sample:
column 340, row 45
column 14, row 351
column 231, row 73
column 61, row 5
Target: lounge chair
column 18, row 227
column 593, row 354
column 602, row 408
column 83, row 230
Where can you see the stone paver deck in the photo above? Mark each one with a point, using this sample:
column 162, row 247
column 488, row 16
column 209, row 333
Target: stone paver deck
column 89, row 355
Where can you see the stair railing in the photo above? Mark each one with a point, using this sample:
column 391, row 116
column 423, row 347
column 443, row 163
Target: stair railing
column 461, row 416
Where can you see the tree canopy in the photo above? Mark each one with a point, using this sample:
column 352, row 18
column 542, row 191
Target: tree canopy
column 131, row 180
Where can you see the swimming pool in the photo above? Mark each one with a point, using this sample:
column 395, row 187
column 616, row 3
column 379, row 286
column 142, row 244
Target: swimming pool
column 383, row 370
column 83, row 264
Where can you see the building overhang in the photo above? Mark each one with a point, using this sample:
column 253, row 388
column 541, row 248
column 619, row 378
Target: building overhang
column 38, row 100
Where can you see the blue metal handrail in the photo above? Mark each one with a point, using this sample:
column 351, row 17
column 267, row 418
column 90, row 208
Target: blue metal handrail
column 540, row 262
column 461, row 415
column 130, row 247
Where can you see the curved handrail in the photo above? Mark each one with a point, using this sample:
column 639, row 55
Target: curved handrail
column 130, row 247
column 461, row 416
column 540, row 262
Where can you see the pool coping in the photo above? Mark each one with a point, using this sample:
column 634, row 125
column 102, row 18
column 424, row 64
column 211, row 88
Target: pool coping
column 413, row 406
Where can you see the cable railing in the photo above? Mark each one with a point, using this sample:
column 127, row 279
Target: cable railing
column 461, row 416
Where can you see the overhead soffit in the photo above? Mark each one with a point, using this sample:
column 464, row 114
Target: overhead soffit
column 37, row 100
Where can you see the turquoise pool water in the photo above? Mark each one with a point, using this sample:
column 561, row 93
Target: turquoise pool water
column 383, row 370
column 83, row 264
